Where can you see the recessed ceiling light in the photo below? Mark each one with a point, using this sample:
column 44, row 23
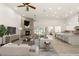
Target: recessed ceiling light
column 71, row 12
column 66, row 15
column 15, row 8
column 23, row 15
column 55, row 12
column 50, row 8
column 77, row 7
column 46, row 15
column 59, row 8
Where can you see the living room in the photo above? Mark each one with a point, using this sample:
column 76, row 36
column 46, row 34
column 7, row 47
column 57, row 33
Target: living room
column 41, row 30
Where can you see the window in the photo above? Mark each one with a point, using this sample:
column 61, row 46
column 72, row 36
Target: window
column 57, row 28
column 39, row 30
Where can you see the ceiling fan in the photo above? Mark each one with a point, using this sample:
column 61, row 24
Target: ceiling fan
column 27, row 5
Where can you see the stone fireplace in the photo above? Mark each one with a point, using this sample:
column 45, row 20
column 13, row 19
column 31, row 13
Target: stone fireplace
column 27, row 25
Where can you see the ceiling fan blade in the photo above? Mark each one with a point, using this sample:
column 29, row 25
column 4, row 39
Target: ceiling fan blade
column 32, row 6
column 20, row 6
column 27, row 8
column 26, row 3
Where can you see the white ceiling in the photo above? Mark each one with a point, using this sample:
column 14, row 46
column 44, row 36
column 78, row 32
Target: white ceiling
column 47, row 10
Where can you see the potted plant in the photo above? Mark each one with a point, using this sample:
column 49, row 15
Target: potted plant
column 3, row 31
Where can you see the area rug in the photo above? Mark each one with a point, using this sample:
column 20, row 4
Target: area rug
column 50, row 52
column 43, row 52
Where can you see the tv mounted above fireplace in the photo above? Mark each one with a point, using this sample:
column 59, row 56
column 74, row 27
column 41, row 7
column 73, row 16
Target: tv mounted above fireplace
column 26, row 23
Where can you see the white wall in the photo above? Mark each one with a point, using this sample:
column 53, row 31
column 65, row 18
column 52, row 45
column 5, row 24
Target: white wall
column 72, row 22
column 8, row 17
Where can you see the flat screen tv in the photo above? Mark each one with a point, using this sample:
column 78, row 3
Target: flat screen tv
column 11, row 30
column 26, row 23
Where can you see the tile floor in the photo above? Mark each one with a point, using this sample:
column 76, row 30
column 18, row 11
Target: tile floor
column 62, row 48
